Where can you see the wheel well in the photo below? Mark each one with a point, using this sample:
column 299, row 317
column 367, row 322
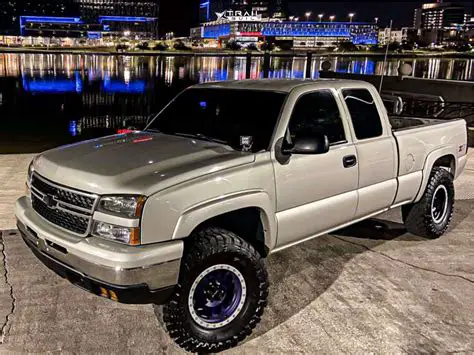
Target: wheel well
column 448, row 162
column 245, row 222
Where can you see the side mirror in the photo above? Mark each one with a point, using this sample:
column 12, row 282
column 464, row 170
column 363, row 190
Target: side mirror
column 317, row 144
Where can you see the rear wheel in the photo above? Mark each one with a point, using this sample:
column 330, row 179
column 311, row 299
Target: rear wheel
column 221, row 294
column 431, row 216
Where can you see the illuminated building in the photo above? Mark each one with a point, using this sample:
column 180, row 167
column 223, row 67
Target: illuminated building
column 440, row 15
column 301, row 34
column 123, row 15
column 89, row 18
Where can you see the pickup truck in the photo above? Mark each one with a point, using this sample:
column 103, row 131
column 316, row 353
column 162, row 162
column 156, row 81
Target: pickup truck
column 184, row 212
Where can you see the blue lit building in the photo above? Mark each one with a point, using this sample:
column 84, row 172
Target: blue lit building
column 301, row 34
column 90, row 18
column 76, row 27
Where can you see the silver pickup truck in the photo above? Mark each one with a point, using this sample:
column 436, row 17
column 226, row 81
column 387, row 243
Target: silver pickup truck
column 184, row 212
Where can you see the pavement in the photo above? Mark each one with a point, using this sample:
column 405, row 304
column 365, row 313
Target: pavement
column 368, row 288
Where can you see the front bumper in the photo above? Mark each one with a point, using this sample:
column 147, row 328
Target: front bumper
column 145, row 274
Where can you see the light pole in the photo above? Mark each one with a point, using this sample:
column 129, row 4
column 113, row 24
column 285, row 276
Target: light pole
column 351, row 16
column 332, row 18
column 297, row 18
column 308, row 15
column 376, row 20
column 291, row 18
column 320, row 17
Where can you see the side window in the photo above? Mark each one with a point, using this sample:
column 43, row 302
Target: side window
column 317, row 112
column 364, row 114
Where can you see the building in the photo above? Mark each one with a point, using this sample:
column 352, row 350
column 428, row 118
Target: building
column 135, row 17
column 298, row 34
column 440, row 15
column 417, row 19
column 93, row 19
column 403, row 35
column 280, row 9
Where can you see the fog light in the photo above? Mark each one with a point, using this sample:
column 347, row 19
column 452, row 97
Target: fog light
column 116, row 233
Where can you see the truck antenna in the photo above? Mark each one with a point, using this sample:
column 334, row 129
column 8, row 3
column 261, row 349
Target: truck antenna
column 386, row 56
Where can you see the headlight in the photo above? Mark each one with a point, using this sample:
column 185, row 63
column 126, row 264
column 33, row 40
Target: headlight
column 31, row 169
column 123, row 206
column 127, row 235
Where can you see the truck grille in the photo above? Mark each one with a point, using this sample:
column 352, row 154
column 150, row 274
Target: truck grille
column 66, row 208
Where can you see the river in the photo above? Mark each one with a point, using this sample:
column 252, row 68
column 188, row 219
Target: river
column 52, row 99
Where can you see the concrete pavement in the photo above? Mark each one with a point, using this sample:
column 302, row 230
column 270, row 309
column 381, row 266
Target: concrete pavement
column 368, row 288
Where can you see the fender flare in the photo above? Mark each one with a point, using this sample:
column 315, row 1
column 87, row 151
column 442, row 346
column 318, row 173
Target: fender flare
column 197, row 214
column 428, row 167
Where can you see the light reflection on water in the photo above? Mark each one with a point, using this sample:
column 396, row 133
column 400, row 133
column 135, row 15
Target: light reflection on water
column 56, row 98
column 203, row 69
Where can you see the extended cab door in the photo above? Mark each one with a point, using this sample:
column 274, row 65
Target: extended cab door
column 314, row 192
column 376, row 150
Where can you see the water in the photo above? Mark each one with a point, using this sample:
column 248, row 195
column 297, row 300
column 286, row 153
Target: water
column 52, row 99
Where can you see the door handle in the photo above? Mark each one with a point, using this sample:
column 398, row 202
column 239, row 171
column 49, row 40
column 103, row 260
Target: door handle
column 349, row 161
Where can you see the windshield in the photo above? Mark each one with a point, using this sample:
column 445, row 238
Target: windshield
column 223, row 115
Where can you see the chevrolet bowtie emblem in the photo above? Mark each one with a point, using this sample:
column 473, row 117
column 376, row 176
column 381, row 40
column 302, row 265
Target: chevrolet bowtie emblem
column 50, row 201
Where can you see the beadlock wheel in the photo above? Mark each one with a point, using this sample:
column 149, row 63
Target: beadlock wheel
column 439, row 204
column 217, row 296
column 221, row 293
column 431, row 216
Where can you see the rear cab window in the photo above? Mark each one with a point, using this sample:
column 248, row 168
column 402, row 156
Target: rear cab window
column 364, row 113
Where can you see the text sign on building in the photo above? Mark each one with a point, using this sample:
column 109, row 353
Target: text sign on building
column 231, row 15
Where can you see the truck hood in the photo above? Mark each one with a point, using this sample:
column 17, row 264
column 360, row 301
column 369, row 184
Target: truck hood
column 135, row 163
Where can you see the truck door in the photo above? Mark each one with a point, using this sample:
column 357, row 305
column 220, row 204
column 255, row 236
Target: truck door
column 376, row 151
column 315, row 192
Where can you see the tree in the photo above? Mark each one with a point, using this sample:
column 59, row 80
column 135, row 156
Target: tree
column 347, row 46
column 320, row 44
column 143, row 46
column 252, row 47
column 286, row 46
column 267, row 46
column 121, row 47
column 160, row 46
column 181, row 46
column 408, row 46
column 394, row 46
column 233, row 45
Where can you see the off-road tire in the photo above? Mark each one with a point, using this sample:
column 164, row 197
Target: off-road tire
column 418, row 217
column 210, row 247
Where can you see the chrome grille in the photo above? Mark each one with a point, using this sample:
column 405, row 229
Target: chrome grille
column 64, row 207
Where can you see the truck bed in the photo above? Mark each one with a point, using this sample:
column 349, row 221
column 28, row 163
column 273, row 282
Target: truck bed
column 400, row 123
column 418, row 137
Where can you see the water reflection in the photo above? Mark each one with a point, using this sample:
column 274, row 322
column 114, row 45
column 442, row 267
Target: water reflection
column 59, row 98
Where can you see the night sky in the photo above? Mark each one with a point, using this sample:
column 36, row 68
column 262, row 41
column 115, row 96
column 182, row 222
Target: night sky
column 180, row 15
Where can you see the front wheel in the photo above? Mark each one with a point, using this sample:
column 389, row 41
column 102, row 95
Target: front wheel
column 431, row 216
column 221, row 293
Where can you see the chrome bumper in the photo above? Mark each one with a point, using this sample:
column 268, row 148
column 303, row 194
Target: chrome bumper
column 156, row 266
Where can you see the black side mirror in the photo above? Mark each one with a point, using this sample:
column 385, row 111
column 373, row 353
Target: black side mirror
column 316, row 144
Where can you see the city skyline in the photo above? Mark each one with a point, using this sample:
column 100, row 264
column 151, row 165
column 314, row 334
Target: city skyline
column 401, row 12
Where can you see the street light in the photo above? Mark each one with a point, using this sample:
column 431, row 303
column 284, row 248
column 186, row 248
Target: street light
column 320, row 17
column 332, row 18
column 376, row 20
column 308, row 15
column 297, row 18
column 351, row 16
column 291, row 18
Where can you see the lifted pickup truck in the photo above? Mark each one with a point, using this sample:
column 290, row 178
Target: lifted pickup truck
column 184, row 212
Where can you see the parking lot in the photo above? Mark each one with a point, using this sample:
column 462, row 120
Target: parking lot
column 369, row 288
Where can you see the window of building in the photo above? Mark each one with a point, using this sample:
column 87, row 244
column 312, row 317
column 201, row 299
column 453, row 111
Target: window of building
column 364, row 113
column 317, row 112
